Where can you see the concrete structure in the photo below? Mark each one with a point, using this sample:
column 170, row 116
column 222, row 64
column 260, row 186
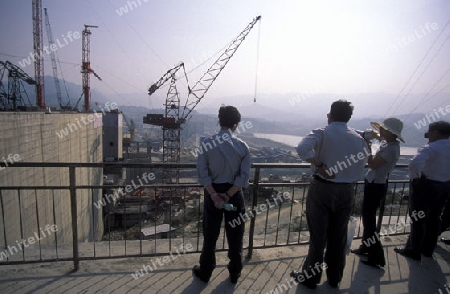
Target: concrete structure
column 52, row 137
column 112, row 136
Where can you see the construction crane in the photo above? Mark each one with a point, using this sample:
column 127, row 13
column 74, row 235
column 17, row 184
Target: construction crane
column 86, row 66
column 11, row 95
column 38, row 49
column 54, row 64
column 131, row 127
column 172, row 120
column 126, row 141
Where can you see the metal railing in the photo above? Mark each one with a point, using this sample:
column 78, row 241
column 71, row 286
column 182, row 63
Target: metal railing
column 154, row 219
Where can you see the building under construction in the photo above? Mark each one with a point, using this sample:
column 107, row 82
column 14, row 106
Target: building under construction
column 36, row 133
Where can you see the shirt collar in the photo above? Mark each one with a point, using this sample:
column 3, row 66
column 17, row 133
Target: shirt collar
column 338, row 124
column 226, row 132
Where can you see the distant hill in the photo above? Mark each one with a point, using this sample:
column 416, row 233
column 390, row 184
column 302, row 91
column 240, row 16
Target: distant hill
column 290, row 113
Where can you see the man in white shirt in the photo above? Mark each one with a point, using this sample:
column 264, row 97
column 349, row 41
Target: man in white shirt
column 430, row 185
column 338, row 154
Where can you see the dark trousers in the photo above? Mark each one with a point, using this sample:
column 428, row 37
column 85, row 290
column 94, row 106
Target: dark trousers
column 328, row 209
column 373, row 194
column 427, row 197
column 212, row 219
column 445, row 218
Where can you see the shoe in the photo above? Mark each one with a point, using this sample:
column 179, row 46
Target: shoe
column 372, row 263
column 196, row 272
column 408, row 253
column 234, row 278
column 445, row 241
column 233, row 275
column 362, row 250
column 376, row 257
column 297, row 275
column 333, row 284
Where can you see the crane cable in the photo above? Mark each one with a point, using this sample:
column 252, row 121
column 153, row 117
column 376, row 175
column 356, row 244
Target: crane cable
column 112, row 36
column 257, row 60
column 423, row 71
column 424, row 99
column 417, row 68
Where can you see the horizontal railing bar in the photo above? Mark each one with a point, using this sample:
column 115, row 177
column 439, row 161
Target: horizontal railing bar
column 308, row 183
column 35, row 188
column 97, row 164
column 149, row 165
column 35, row 261
column 193, row 185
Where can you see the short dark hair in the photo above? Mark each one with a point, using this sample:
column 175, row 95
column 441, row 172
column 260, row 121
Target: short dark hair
column 442, row 127
column 341, row 110
column 229, row 116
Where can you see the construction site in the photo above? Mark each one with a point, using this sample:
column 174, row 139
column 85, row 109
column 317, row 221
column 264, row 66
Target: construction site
column 87, row 133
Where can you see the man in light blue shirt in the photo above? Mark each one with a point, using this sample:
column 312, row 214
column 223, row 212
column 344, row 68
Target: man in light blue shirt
column 223, row 168
column 429, row 189
column 338, row 155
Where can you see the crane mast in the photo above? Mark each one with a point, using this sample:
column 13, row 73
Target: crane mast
column 171, row 121
column 38, row 49
column 86, row 66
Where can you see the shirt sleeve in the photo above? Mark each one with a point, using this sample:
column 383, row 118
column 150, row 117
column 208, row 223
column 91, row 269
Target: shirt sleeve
column 388, row 154
column 244, row 172
column 305, row 148
column 417, row 164
column 204, row 177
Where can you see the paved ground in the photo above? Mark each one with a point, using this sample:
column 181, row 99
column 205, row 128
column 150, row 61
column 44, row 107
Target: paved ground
column 268, row 270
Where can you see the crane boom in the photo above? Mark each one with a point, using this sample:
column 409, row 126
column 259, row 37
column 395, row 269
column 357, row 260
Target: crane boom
column 170, row 74
column 202, row 86
column 10, row 96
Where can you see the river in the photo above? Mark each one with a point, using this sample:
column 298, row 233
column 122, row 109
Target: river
column 293, row 141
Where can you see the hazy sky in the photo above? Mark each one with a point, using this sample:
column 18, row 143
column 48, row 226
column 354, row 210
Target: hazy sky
column 341, row 47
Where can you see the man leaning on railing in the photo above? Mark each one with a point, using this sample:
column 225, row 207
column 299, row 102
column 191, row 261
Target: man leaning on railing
column 430, row 185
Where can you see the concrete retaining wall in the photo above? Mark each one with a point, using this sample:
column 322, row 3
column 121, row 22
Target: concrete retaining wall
column 37, row 137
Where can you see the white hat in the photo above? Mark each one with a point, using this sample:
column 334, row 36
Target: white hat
column 391, row 124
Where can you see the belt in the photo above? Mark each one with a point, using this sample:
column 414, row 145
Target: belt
column 373, row 183
column 322, row 180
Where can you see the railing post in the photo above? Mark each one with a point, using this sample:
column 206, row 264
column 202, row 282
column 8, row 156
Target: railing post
column 253, row 220
column 73, row 209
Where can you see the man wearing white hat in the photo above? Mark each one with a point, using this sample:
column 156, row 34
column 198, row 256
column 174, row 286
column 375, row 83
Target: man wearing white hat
column 375, row 186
